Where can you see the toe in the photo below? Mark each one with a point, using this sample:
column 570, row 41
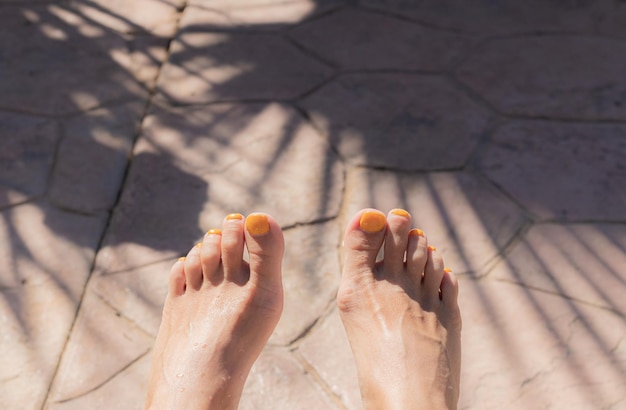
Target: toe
column 364, row 237
column 177, row 278
column 210, row 255
column 416, row 254
column 232, row 248
column 449, row 289
column 398, row 225
column 433, row 273
column 265, row 243
column 193, row 268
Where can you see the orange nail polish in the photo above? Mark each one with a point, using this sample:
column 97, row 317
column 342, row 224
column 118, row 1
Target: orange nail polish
column 401, row 212
column 214, row 232
column 199, row 244
column 181, row 259
column 447, row 270
column 231, row 217
column 432, row 248
column 257, row 224
column 372, row 221
column 416, row 232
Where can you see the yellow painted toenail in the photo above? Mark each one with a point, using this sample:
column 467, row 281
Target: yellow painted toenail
column 401, row 212
column 214, row 232
column 432, row 248
column 181, row 259
column 416, row 232
column 231, row 217
column 199, row 244
column 257, row 224
column 372, row 221
column 447, row 270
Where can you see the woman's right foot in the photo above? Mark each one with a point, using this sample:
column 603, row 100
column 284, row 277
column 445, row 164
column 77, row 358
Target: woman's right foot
column 400, row 314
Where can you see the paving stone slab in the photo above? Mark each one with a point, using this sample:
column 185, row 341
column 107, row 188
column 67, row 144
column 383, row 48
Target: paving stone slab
column 202, row 163
column 27, row 149
column 502, row 17
column 207, row 67
column 358, row 40
column 92, row 158
column 55, row 62
column 254, row 14
column 584, row 262
column 569, row 77
column 565, row 171
column 44, row 263
column 465, row 217
column 102, row 346
column 326, row 349
column 399, row 121
column 278, row 382
column 525, row 349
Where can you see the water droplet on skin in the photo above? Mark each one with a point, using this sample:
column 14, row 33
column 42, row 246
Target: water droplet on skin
column 182, row 389
column 179, row 375
column 195, row 344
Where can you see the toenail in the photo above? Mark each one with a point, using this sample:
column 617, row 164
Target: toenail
column 214, row 232
column 372, row 221
column 432, row 248
column 447, row 270
column 401, row 212
column 231, row 217
column 181, row 259
column 199, row 244
column 257, row 224
column 416, row 232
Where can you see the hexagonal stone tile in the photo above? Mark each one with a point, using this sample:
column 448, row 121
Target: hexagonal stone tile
column 279, row 382
column 254, row 14
column 98, row 144
column 206, row 67
column 327, row 350
column 27, row 150
column 524, row 349
column 310, row 278
column 358, row 40
column 569, row 77
column 55, row 62
column 44, row 263
column 502, row 17
column 139, row 16
column 398, row 121
column 582, row 262
column 195, row 165
column 556, row 170
column 466, row 218
column 119, row 343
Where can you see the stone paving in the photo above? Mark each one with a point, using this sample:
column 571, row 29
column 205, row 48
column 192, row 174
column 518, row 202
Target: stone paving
column 128, row 128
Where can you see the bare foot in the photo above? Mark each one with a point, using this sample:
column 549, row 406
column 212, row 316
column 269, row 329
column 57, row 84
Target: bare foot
column 401, row 317
column 218, row 315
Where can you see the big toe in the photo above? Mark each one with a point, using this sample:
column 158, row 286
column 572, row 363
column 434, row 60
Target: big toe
column 363, row 239
column 265, row 243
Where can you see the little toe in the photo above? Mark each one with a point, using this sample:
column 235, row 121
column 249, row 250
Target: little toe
column 449, row 289
column 266, row 245
column 416, row 254
column 363, row 239
column 176, row 282
column 210, row 256
column 433, row 273
column 193, row 268
column 398, row 225
column 232, row 242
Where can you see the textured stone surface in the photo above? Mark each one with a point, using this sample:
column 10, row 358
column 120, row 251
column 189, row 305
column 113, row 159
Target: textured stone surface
column 205, row 67
column 27, row 146
column 363, row 40
column 398, row 121
column 92, row 158
column 278, row 382
column 567, row 171
column 327, row 350
column 502, row 17
column 254, row 14
column 468, row 220
column 102, row 346
column 571, row 77
column 584, row 262
column 525, row 349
